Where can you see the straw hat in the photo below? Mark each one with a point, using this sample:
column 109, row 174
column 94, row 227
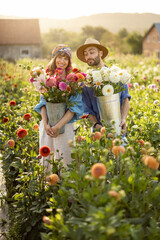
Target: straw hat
column 88, row 43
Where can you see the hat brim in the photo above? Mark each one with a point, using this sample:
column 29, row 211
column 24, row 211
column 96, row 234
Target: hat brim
column 80, row 50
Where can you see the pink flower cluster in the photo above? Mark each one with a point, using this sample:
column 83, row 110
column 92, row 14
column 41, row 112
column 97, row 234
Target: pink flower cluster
column 154, row 87
column 57, row 85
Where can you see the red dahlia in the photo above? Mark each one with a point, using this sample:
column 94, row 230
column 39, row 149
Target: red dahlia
column 44, row 151
column 5, row 119
column 12, row 103
column 22, row 133
column 27, row 116
column 75, row 70
column 84, row 116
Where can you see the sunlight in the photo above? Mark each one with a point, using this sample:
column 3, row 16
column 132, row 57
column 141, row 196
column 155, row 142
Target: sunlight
column 69, row 9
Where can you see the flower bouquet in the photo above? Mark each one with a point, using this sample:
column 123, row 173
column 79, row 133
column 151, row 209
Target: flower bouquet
column 107, row 84
column 107, row 81
column 57, row 90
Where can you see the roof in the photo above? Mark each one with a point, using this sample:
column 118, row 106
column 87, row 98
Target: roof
column 156, row 25
column 19, row 31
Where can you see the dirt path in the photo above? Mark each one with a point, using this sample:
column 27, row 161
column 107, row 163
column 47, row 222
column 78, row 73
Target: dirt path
column 3, row 207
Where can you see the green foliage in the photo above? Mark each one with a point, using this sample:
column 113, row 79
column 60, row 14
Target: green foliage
column 95, row 32
column 122, row 42
column 134, row 40
column 122, row 33
column 123, row 204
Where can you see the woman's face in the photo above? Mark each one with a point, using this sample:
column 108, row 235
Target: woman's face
column 62, row 61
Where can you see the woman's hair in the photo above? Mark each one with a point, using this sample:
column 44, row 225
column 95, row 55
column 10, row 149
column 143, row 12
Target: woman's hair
column 51, row 67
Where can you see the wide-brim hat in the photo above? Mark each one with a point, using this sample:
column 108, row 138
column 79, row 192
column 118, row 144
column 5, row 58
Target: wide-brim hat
column 90, row 42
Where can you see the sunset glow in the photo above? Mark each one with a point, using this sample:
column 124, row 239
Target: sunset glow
column 71, row 9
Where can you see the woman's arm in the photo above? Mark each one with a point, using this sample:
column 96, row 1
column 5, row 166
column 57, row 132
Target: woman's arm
column 65, row 119
column 48, row 129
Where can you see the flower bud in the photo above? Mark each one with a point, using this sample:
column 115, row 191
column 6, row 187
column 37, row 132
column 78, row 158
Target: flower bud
column 110, row 135
column 147, row 145
column 97, row 136
column 46, row 220
column 151, row 150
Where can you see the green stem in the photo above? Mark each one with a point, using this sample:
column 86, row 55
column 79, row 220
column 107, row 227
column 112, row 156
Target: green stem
column 133, row 191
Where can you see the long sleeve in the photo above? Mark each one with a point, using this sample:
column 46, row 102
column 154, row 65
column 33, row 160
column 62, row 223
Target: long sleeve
column 77, row 108
column 124, row 94
column 90, row 102
column 40, row 104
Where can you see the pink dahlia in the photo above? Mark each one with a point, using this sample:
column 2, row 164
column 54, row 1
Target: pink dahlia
column 58, row 79
column 32, row 79
column 129, row 85
column 71, row 77
column 59, row 71
column 63, row 86
column 51, row 81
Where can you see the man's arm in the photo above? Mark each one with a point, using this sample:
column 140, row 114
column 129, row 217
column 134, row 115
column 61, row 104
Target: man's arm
column 94, row 120
column 124, row 112
column 89, row 102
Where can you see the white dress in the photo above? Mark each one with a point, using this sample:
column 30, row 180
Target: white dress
column 60, row 143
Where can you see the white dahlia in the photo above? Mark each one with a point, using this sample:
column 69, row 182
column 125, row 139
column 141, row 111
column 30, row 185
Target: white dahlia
column 107, row 90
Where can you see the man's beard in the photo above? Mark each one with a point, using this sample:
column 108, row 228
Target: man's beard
column 94, row 62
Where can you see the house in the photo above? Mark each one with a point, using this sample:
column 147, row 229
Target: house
column 20, row 38
column 151, row 42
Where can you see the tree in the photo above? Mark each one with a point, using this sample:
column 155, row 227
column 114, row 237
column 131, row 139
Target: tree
column 109, row 40
column 134, row 39
column 87, row 31
column 52, row 38
column 56, row 36
column 121, row 36
column 98, row 32
column 95, row 32
column 122, row 33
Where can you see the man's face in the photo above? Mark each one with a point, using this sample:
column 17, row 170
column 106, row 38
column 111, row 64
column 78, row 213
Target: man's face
column 92, row 56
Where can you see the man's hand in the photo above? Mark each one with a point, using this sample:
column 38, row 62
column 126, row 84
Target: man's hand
column 124, row 112
column 123, row 125
column 98, row 126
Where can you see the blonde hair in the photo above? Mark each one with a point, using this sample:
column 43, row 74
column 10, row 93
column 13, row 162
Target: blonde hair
column 52, row 64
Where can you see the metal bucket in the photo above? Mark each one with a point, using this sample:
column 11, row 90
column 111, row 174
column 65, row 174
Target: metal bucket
column 109, row 109
column 55, row 112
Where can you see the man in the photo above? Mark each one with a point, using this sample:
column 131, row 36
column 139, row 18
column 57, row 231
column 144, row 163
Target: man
column 93, row 53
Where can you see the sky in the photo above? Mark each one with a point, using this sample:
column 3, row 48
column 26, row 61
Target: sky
column 68, row 9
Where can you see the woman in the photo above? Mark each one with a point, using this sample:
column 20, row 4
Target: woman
column 50, row 135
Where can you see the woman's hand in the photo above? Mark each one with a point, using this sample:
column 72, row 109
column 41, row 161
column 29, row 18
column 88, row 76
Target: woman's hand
column 49, row 130
column 55, row 131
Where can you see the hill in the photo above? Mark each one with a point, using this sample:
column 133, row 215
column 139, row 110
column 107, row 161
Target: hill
column 111, row 21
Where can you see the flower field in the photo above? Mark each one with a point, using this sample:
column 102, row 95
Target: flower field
column 107, row 192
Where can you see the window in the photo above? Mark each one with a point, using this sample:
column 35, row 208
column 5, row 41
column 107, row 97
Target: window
column 153, row 39
column 158, row 54
column 24, row 52
column 147, row 39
